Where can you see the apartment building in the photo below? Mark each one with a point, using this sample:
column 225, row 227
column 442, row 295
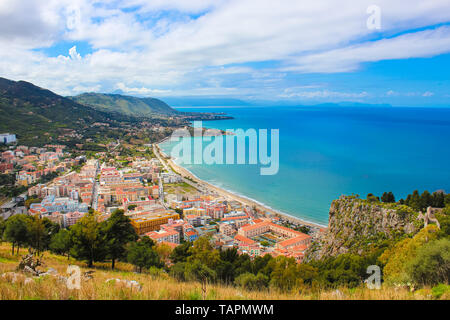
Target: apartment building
column 152, row 222
column 166, row 235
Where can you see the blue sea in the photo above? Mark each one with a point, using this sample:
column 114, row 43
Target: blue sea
column 325, row 152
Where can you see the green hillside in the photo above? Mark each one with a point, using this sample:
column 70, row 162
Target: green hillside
column 128, row 105
column 37, row 115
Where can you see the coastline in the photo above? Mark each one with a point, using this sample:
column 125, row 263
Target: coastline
column 234, row 196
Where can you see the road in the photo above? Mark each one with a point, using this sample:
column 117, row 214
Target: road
column 169, row 169
column 95, row 188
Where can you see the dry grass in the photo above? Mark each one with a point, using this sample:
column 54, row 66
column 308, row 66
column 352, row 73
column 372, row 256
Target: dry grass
column 160, row 287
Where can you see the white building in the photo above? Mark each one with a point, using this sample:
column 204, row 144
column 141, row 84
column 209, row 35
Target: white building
column 7, row 138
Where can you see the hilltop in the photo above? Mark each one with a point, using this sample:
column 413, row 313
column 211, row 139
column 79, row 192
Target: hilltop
column 39, row 116
column 357, row 224
column 35, row 114
column 141, row 107
column 127, row 105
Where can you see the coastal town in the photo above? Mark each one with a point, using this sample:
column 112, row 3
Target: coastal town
column 162, row 200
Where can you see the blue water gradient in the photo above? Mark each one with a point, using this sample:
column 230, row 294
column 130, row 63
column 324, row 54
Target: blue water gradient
column 329, row 151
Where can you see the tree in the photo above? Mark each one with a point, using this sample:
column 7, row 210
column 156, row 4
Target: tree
column 142, row 254
column 181, row 252
column 61, row 242
column 431, row 264
column 438, row 199
column 36, row 232
column 388, row 197
column 304, row 229
column 198, row 271
column 397, row 258
column 260, row 264
column 88, row 240
column 447, row 200
column 372, row 198
column 444, row 221
column 29, row 201
column 203, row 251
column 426, row 200
column 16, row 230
column 51, row 228
column 164, row 251
column 118, row 232
column 250, row 281
column 285, row 273
column 414, row 200
column 307, row 273
column 177, row 271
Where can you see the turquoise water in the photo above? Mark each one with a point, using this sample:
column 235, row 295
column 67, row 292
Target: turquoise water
column 329, row 151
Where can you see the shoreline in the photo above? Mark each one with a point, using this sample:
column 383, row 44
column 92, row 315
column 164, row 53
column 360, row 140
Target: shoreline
column 235, row 196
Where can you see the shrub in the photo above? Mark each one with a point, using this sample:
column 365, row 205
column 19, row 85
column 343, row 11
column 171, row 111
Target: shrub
column 250, row 281
column 432, row 263
column 440, row 290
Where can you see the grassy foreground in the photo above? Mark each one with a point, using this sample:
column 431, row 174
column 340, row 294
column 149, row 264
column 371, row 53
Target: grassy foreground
column 158, row 286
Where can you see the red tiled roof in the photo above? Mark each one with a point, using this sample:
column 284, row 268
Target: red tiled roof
column 254, row 226
column 291, row 241
column 243, row 239
column 235, row 218
column 163, row 234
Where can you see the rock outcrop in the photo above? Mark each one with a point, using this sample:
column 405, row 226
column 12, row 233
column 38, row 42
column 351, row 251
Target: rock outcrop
column 355, row 224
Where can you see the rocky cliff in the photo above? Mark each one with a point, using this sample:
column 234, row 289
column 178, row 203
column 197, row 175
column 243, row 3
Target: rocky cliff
column 356, row 225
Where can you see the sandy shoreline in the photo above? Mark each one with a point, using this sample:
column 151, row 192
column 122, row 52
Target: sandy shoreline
column 227, row 194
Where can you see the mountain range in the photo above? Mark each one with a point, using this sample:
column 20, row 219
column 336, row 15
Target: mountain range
column 35, row 114
column 127, row 105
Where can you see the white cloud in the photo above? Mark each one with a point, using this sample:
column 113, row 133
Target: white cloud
column 391, row 93
column 189, row 6
column 428, row 94
column 195, row 47
column 74, row 54
column 140, row 91
column 412, row 45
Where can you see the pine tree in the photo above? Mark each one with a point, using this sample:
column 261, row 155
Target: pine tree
column 438, row 199
column 426, row 200
column 142, row 254
column 415, row 201
column 61, row 243
column 118, row 232
column 16, row 231
column 88, row 240
column 388, row 197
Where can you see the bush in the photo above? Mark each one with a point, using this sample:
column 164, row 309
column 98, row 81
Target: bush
column 177, row 271
column 249, row 281
column 431, row 264
column 440, row 290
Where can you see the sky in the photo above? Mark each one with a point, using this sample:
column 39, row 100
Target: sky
column 377, row 51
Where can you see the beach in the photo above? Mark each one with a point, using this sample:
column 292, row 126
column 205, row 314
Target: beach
column 228, row 194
